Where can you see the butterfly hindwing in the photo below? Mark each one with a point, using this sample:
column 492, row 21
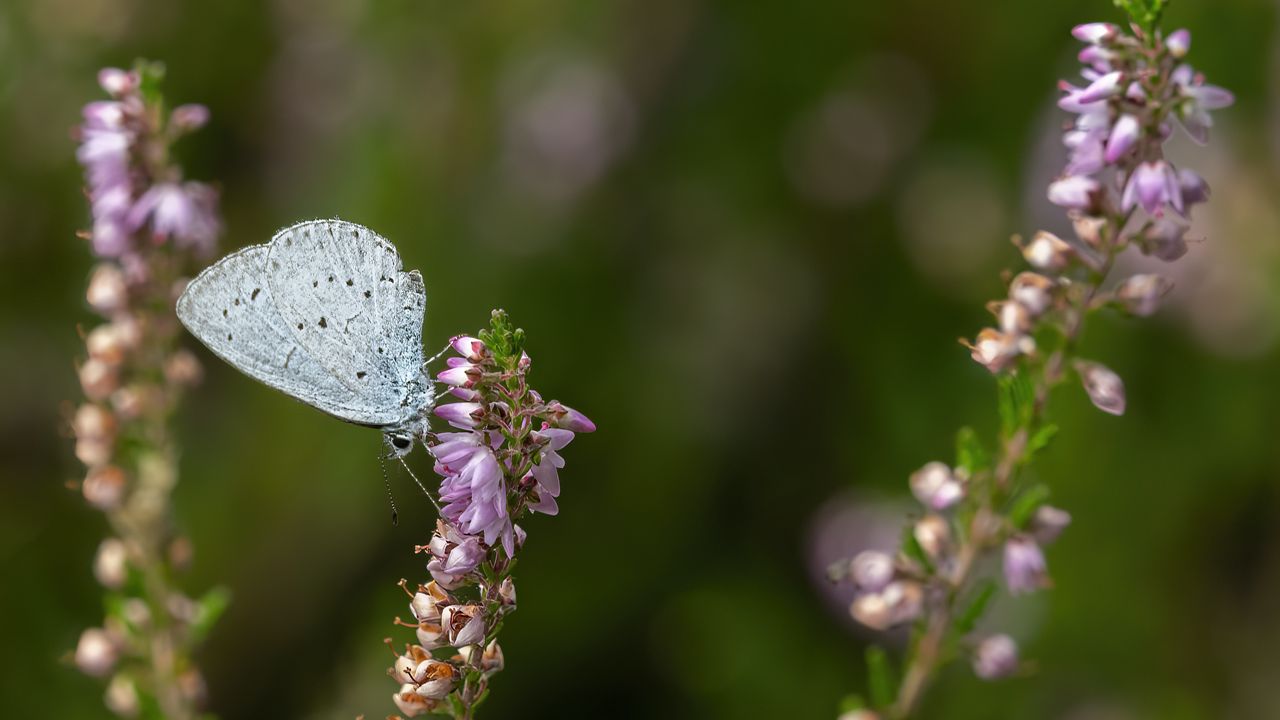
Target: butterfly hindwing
column 343, row 297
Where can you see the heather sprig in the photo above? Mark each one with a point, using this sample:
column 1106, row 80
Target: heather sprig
column 148, row 225
column 1119, row 192
column 503, row 463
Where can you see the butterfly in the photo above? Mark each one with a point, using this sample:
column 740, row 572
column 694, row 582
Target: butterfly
column 323, row 313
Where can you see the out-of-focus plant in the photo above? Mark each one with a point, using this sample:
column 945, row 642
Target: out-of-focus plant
column 148, row 227
column 503, row 464
column 1119, row 192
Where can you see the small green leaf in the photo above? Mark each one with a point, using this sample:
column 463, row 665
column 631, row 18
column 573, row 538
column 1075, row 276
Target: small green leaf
column 972, row 612
column 1015, row 399
column 1144, row 12
column 208, row 609
column 911, row 548
column 1026, row 504
column 150, row 75
column 970, row 454
column 1041, row 439
column 852, row 702
column 880, row 680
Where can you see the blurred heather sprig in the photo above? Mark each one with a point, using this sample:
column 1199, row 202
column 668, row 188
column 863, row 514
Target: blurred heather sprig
column 1119, row 191
column 147, row 227
column 504, row 463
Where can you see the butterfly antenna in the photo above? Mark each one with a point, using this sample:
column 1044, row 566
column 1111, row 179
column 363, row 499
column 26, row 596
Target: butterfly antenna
column 438, row 355
column 386, row 482
column 425, row 491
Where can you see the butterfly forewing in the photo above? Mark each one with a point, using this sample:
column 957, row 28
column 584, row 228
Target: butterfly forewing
column 343, row 297
column 230, row 308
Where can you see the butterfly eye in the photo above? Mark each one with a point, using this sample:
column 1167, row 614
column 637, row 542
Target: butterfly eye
column 401, row 442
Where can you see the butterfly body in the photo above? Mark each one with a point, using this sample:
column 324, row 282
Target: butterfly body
column 325, row 314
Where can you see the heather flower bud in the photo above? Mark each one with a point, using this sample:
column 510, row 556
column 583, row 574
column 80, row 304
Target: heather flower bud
column 1124, row 135
column 463, row 624
column 122, row 697
column 95, row 653
column 94, row 451
column 107, row 343
column 995, row 657
column 858, row 715
column 189, row 117
column 104, row 487
column 98, row 379
column 1033, row 291
column 1194, row 189
column 491, row 660
column 1088, row 228
column 1096, row 32
column 110, row 564
column 1025, row 569
column 933, row 534
column 1178, row 43
column 1012, row 317
column 872, row 610
column 871, row 570
column 117, row 82
column 93, row 422
column 1078, row 192
column 1140, row 294
column 107, row 291
column 996, row 350
column 1105, row 388
column 897, row 603
column 936, row 487
column 1107, row 86
column 507, row 592
column 1048, row 252
column 183, row 368
column 1165, row 239
column 1048, row 523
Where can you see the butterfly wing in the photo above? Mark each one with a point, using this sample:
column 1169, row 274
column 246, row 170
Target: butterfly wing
column 343, row 297
column 229, row 307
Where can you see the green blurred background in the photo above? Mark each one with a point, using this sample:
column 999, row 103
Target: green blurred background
column 742, row 237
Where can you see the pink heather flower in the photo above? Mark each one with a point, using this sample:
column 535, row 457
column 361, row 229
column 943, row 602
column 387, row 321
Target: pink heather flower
column 1178, row 43
column 1194, row 188
column 1198, row 100
column 1096, row 32
column 1025, row 569
column 472, row 488
column 1124, row 135
column 471, row 348
column 995, row 657
column 189, row 117
column 1087, row 151
column 460, row 415
column 463, row 375
column 1075, row 191
column 570, row 419
column 1104, row 386
column 453, row 556
column 936, row 487
column 871, row 570
column 1153, row 185
column 1106, row 86
column 117, row 82
column 1098, row 57
column 546, row 471
column 182, row 212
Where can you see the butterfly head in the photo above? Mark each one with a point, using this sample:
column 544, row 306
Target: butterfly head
column 400, row 441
